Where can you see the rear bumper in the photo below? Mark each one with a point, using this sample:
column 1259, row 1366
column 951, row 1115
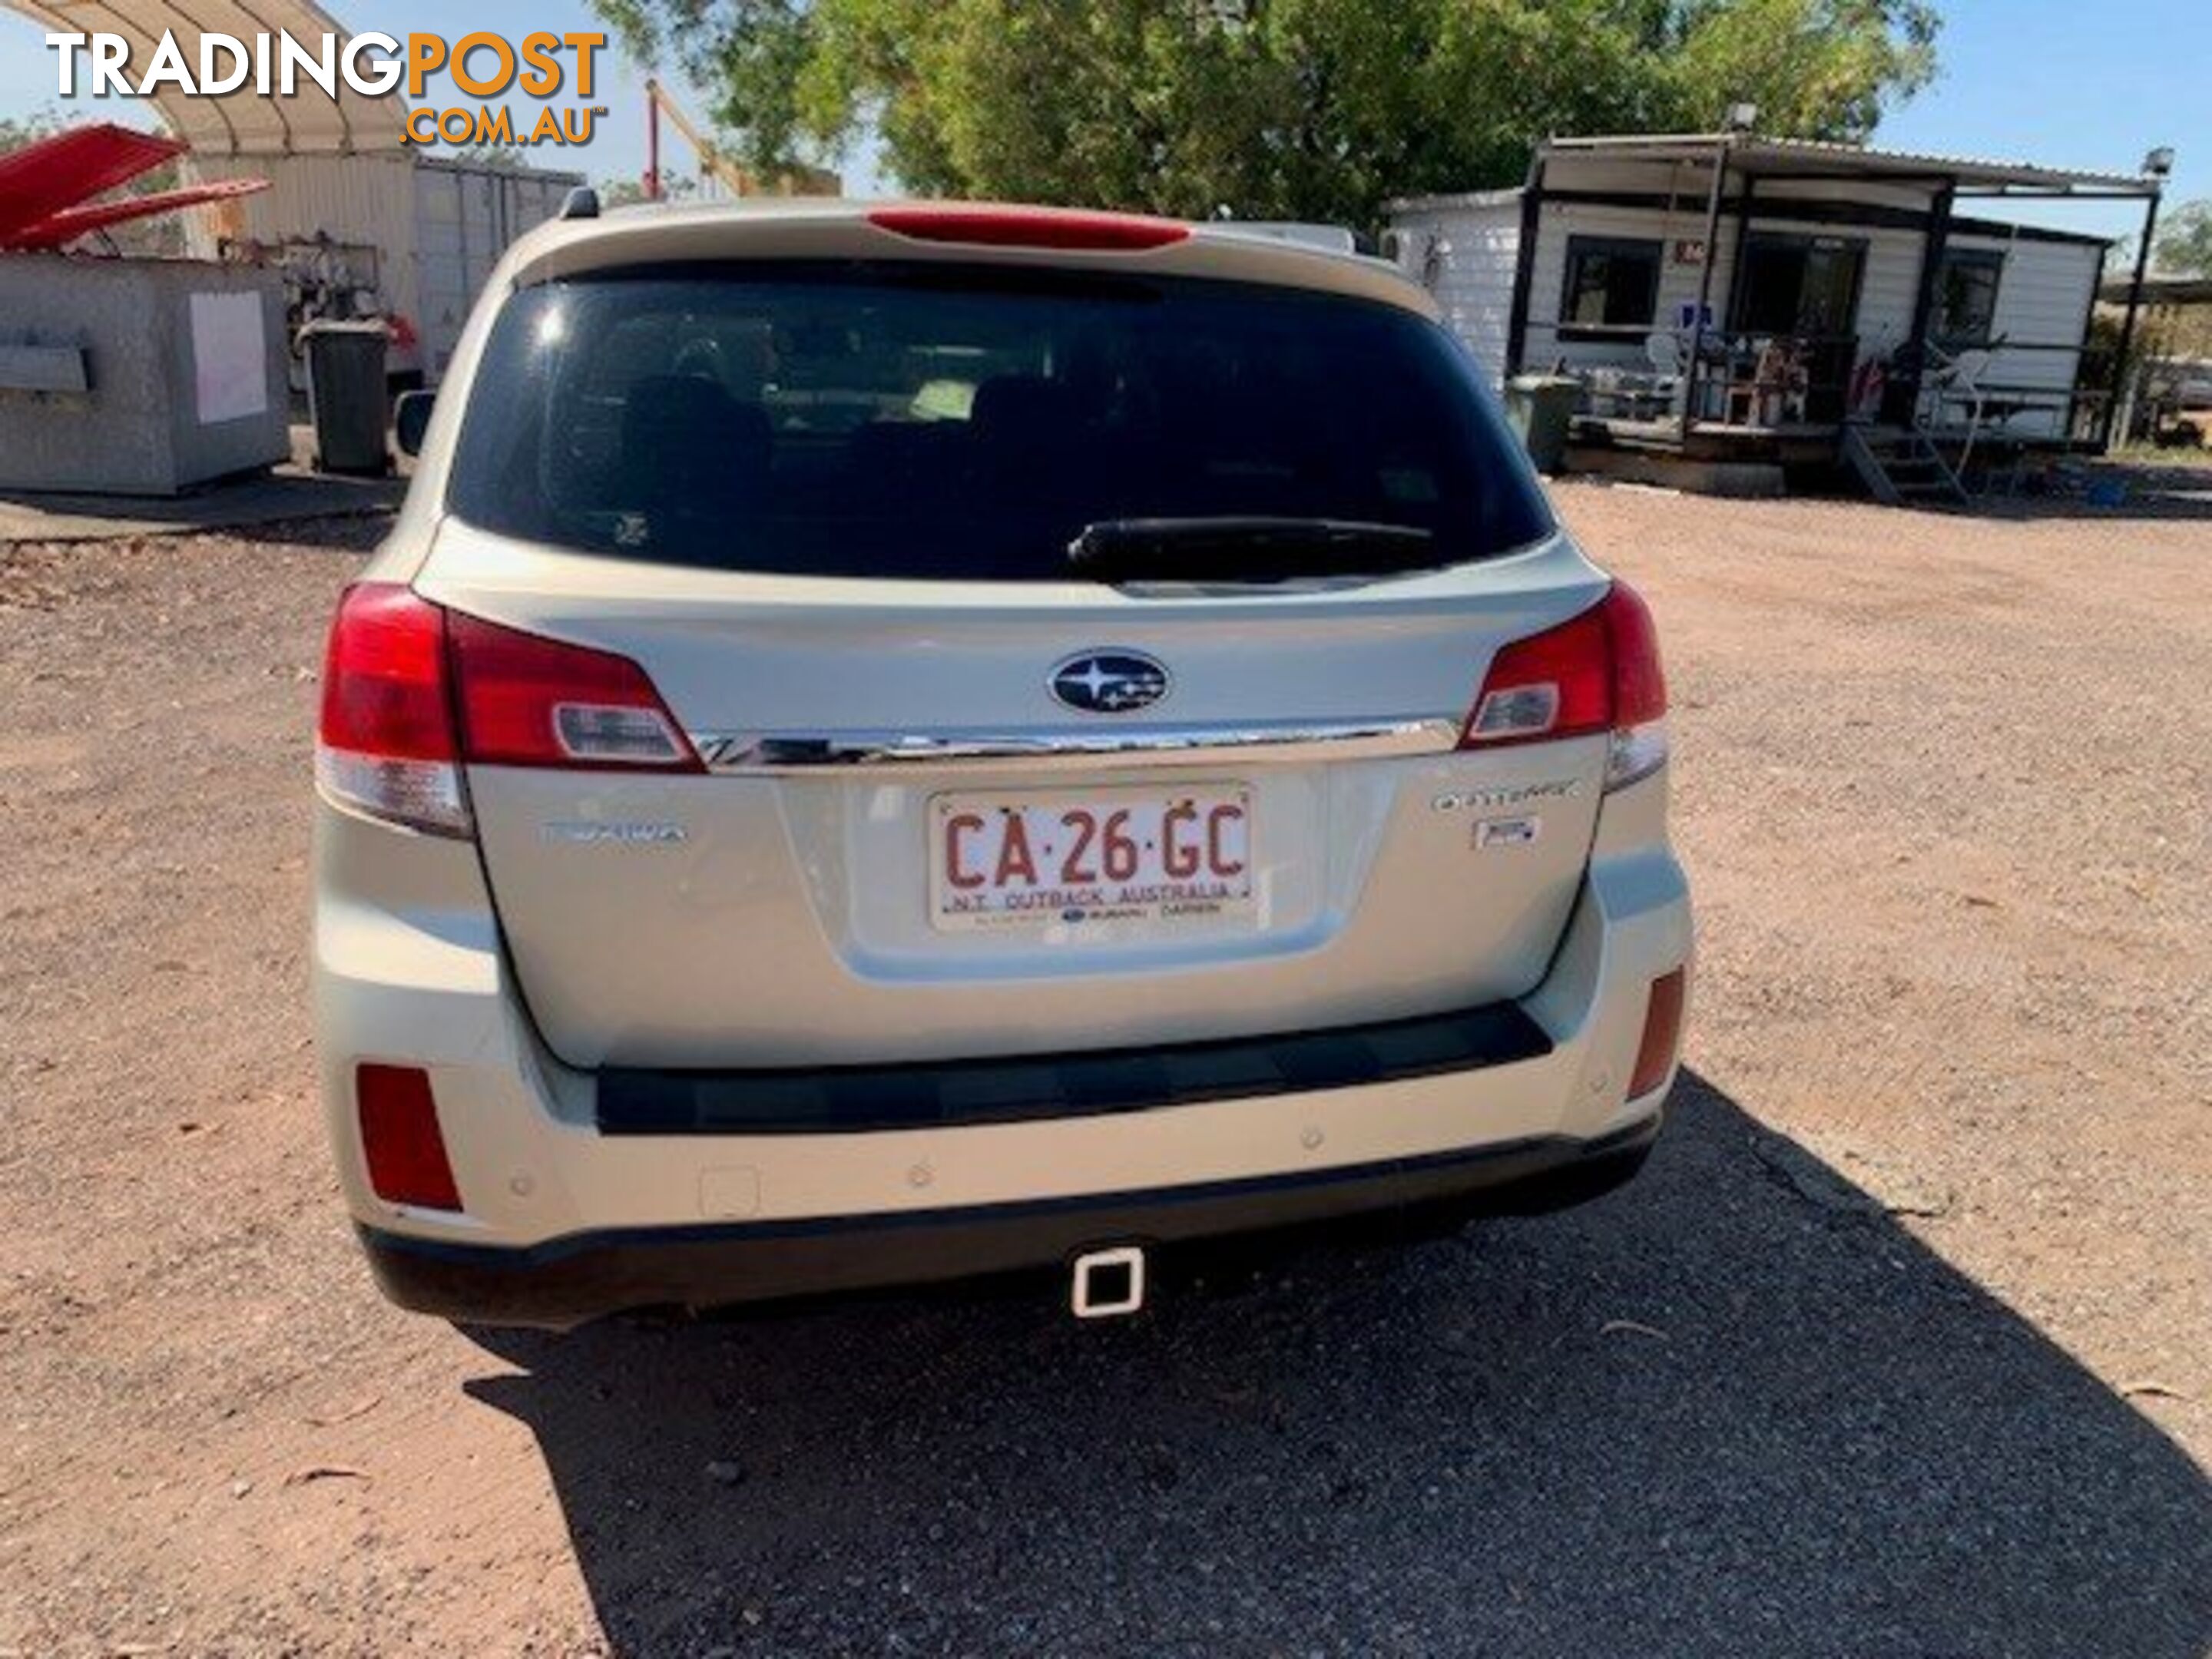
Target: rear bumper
column 565, row 1281
column 584, row 1192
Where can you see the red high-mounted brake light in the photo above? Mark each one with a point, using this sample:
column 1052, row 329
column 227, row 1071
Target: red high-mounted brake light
column 411, row 692
column 400, row 1141
column 1598, row 670
column 1029, row 227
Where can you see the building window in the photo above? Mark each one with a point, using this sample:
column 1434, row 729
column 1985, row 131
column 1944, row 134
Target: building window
column 1805, row 288
column 1613, row 284
column 1967, row 296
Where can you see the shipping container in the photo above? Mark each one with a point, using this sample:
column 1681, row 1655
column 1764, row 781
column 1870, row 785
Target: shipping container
column 401, row 235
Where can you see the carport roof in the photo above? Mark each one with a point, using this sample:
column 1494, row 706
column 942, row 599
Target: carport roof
column 310, row 121
column 1750, row 154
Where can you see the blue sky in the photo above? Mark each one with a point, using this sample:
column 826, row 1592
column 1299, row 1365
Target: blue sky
column 2055, row 81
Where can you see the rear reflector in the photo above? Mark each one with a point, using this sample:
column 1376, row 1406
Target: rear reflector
column 526, row 700
column 399, row 1138
column 1662, row 1034
column 1596, row 671
column 1026, row 227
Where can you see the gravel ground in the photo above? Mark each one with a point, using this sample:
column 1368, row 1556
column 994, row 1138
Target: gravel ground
column 1902, row 1346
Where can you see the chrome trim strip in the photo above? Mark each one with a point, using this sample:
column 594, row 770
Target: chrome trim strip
column 778, row 753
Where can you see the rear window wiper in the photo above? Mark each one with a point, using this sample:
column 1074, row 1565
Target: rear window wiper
column 1245, row 549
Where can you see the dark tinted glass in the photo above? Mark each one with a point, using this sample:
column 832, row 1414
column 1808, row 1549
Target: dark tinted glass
column 967, row 424
column 1966, row 295
column 1612, row 282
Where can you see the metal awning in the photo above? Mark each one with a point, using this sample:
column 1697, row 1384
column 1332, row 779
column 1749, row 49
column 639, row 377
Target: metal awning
column 52, row 174
column 310, row 121
column 1751, row 155
column 58, row 230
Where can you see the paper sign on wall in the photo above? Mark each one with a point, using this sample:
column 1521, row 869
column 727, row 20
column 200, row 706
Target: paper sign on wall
column 230, row 357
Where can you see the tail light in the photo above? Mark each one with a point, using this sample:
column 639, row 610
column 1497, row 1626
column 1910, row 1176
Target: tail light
column 1596, row 671
column 400, row 1140
column 531, row 701
column 385, row 746
column 1029, row 227
column 1662, row 1034
column 411, row 693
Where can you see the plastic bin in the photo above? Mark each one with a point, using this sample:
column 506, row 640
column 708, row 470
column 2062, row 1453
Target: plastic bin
column 346, row 396
column 1541, row 408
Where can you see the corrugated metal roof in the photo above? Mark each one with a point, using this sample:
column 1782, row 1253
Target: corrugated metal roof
column 243, row 123
column 54, row 173
column 1750, row 153
column 1463, row 198
column 59, row 229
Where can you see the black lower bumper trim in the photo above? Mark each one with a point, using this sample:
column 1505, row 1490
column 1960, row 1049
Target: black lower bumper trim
column 845, row 1099
column 566, row 1281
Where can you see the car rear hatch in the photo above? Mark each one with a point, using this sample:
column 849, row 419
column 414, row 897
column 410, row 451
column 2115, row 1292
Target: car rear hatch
column 1042, row 661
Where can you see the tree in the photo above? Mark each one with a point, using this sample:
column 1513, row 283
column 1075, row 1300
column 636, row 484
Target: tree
column 1307, row 109
column 1816, row 69
column 628, row 193
column 17, row 130
column 2184, row 248
column 511, row 158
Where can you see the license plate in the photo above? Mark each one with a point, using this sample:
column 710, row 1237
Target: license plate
column 1169, row 855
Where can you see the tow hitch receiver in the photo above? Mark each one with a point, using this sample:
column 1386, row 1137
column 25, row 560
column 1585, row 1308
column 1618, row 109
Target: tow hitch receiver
column 1108, row 1283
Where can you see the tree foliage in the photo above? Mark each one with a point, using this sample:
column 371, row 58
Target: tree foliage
column 18, row 131
column 2184, row 248
column 628, row 193
column 511, row 158
column 1305, row 109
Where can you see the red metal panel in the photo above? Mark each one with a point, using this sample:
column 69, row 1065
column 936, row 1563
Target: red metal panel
column 57, row 228
column 41, row 179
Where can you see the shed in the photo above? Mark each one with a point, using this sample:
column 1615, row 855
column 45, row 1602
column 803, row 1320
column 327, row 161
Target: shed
column 1734, row 296
column 358, row 221
column 2171, row 374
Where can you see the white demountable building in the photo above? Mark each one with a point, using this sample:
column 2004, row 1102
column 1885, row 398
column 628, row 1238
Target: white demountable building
column 1730, row 297
column 358, row 221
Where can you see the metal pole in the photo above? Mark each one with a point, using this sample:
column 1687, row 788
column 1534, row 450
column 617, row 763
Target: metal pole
column 1524, row 265
column 1935, row 242
column 2128, row 324
column 1705, row 285
column 652, row 141
column 1743, row 211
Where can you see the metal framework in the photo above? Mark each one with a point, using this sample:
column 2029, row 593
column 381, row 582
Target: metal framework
column 310, row 121
column 712, row 164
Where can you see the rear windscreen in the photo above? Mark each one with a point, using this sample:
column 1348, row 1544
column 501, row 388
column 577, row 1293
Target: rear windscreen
column 969, row 423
